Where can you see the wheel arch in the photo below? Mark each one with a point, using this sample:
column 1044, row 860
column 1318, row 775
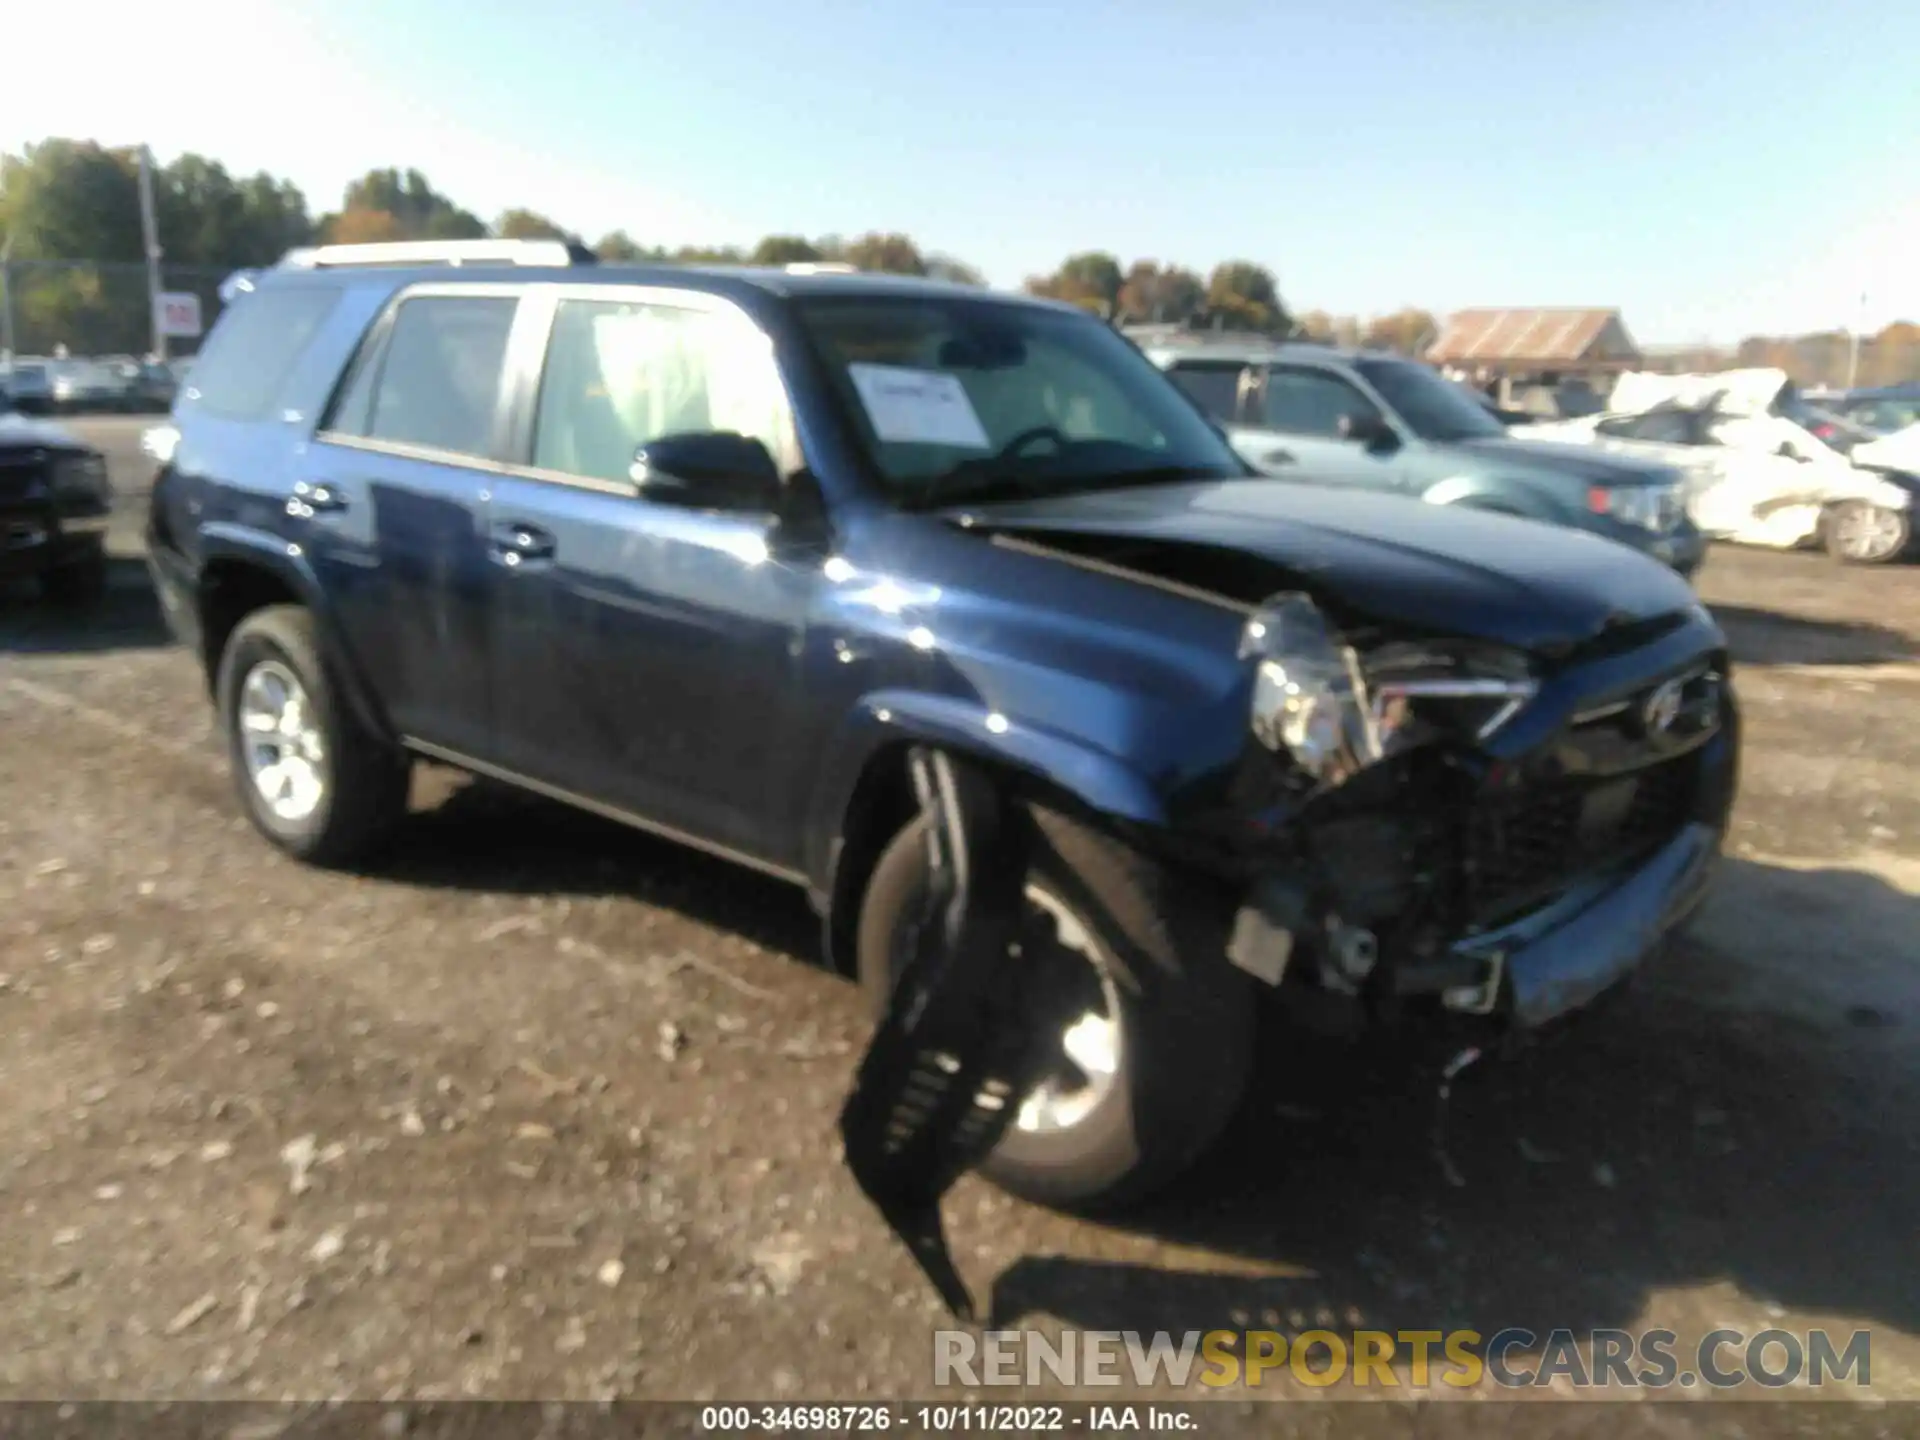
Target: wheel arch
column 243, row 571
column 866, row 796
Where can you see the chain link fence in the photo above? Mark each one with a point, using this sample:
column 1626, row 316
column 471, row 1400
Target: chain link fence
column 95, row 307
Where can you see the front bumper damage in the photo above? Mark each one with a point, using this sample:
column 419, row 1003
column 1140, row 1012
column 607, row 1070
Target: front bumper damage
column 1540, row 967
column 1560, row 958
column 1536, row 902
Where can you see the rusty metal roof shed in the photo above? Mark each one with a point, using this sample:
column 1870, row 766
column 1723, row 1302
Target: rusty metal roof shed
column 1534, row 339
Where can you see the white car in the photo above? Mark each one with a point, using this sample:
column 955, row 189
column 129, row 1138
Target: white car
column 1755, row 475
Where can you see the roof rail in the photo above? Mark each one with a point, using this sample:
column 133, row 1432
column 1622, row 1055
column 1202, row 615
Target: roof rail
column 442, row 252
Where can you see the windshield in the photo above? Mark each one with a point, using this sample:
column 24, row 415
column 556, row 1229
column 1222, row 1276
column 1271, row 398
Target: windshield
column 969, row 398
column 1430, row 405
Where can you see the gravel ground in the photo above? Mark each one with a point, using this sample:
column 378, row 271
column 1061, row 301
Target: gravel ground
column 543, row 1108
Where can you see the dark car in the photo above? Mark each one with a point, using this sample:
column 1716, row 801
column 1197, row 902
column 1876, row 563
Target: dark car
column 1882, row 409
column 54, row 503
column 707, row 550
column 1374, row 421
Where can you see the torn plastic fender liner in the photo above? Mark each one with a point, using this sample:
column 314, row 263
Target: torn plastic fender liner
column 964, row 1037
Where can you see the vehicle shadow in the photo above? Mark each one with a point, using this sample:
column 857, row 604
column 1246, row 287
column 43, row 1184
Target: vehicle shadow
column 126, row 617
column 1688, row 1133
column 473, row 834
column 1768, row 637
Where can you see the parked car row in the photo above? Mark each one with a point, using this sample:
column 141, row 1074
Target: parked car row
column 40, row 385
column 1762, row 465
column 55, row 500
column 759, row 560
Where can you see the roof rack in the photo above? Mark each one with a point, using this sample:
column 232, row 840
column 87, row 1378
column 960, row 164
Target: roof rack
column 442, row 252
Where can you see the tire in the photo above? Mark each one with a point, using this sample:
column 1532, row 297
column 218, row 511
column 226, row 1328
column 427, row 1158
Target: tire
column 1860, row 533
column 78, row 582
column 361, row 783
column 1186, row 1017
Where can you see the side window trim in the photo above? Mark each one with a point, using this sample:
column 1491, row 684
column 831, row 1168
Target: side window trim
column 368, row 358
column 374, row 349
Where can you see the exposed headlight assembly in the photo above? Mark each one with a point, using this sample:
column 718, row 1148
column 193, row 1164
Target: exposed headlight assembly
column 1472, row 689
column 1309, row 698
column 1317, row 701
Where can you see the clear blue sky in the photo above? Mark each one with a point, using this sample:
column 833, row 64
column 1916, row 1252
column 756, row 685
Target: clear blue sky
column 1711, row 167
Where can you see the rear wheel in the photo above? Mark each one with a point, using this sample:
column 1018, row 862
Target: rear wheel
column 312, row 779
column 1862, row 533
column 1154, row 1059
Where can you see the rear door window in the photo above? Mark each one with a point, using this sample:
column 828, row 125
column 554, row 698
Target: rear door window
column 252, row 351
column 435, row 382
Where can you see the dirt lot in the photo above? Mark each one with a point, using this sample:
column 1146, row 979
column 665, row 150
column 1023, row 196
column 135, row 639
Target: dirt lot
column 544, row 1108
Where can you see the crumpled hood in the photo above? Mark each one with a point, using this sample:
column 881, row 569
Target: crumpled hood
column 1434, row 569
column 1568, row 458
column 17, row 431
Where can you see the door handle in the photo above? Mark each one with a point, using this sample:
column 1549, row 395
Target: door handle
column 1277, row 457
column 310, row 497
column 515, row 544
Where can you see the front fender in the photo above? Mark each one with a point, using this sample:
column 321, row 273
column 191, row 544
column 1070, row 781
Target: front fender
column 887, row 718
column 224, row 542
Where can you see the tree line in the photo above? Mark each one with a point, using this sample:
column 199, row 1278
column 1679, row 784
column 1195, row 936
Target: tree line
column 70, row 217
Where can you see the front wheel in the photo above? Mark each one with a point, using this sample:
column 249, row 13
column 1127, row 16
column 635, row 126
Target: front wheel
column 1861, row 533
column 1155, row 1059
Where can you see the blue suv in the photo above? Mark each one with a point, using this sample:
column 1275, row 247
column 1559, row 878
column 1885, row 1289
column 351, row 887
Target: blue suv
column 710, row 550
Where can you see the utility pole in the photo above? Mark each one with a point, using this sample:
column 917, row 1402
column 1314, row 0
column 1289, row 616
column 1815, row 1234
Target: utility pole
column 1853, row 343
column 6, row 297
column 150, row 238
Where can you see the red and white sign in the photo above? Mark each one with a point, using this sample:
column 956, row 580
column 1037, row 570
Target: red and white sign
column 179, row 314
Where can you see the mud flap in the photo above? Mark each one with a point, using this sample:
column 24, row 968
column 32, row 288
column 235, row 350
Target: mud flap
column 964, row 1036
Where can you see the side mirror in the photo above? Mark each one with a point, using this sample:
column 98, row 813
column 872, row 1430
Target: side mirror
column 707, row 470
column 1368, row 431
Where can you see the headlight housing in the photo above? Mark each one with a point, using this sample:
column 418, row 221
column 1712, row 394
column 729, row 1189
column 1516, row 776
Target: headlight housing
column 1309, row 697
column 1316, row 700
column 1648, row 507
column 81, row 477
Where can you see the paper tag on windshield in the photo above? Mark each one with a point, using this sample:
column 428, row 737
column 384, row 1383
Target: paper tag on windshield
column 919, row 407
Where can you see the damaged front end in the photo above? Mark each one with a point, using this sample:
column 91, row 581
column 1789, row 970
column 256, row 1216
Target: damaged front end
column 1412, row 825
column 1405, row 857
